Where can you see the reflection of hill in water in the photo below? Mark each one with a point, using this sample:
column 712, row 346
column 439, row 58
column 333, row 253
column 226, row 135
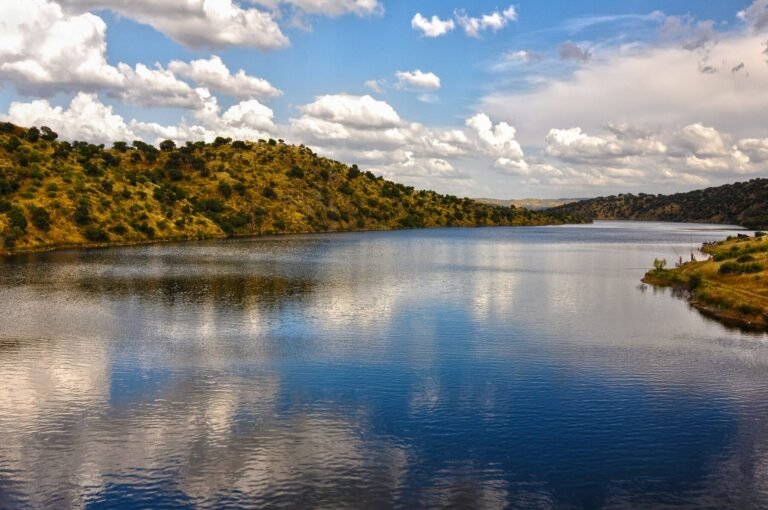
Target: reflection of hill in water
column 222, row 289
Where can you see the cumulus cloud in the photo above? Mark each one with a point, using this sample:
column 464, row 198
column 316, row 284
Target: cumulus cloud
column 214, row 74
column 197, row 23
column 659, row 86
column 417, row 79
column 432, row 27
column 357, row 111
column 494, row 21
column 756, row 15
column 43, row 50
column 86, row 118
column 621, row 143
column 573, row 52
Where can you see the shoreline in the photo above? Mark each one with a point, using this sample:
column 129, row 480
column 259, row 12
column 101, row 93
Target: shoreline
column 4, row 254
column 730, row 287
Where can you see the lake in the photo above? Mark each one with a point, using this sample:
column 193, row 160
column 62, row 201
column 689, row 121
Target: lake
column 486, row 368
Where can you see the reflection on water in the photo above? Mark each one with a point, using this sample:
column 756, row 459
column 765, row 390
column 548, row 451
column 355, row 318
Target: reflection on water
column 486, row 368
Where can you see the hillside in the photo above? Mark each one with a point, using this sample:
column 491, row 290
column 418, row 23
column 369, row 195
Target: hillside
column 731, row 285
column 55, row 194
column 534, row 204
column 742, row 203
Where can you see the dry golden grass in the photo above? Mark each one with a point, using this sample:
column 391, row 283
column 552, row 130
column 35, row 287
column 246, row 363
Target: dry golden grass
column 93, row 195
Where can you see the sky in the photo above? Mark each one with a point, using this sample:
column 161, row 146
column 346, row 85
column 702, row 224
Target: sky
column 535, row 98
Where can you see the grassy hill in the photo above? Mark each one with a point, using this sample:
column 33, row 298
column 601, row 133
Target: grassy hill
column 55, row 194
column 742, row 203
column 731, row 286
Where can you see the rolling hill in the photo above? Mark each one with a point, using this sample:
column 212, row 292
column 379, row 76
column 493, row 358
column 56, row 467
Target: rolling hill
column 56, row 194
column 742, row 203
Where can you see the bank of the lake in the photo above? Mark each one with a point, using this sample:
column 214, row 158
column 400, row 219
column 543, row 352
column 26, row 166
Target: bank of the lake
column 731, row 285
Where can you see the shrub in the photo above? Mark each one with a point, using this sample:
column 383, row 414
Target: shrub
column 659, row 264
column 296, row 172
column 16, row 219
column 167, row 145
column 96, row 235
column 40, row 218
column 225, row 189
column 82, row 214
column 33, row 134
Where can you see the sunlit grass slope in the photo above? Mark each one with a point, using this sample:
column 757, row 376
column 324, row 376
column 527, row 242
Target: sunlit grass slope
column 56, row 194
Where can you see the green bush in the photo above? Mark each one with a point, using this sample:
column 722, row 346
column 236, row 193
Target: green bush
column 40, row 218
column 16, row 219
column 96, row 235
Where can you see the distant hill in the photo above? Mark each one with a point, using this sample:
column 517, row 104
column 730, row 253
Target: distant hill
column 55, row 194
column 534, row 204
column 742, row 203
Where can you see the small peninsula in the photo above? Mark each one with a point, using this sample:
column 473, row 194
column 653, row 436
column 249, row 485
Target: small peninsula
column 56, row 194
column 731, row 285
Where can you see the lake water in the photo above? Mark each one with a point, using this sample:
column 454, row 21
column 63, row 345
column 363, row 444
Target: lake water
column 482, row 368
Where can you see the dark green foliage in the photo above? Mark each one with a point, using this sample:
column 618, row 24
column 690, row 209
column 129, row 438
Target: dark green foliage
column 82, row 214
column 120, row 147
column 33, row 134
column 354, row 172
column 210, row 206
column 694, row 282
column 168, row 194
column 40, row 218
column 296, row 172
column 16, row 219
column 736, row 268
column 219, row 141
column 167, row 145
column 48, row 134
column 119, row 229
column 96, row 235
column 269, row 192
column 741, row 203
column 225, row 189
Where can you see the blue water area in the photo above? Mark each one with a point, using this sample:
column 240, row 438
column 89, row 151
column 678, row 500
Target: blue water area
column 478, row 368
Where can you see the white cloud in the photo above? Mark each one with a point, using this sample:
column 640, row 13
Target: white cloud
column 494, row 21
column 44, row 50
column 86, row 118
column 214, row 74
column 756, row 149
column 356, row 111
column 499, row 140
column 576, row 146
column 660, row 87
column 156, row 87
column 432, row 27
column 756, row 15
column 197, row 23
column 417, row 79
column 374, row 85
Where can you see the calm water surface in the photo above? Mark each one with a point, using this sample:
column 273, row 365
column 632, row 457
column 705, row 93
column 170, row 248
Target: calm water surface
column 488, row 368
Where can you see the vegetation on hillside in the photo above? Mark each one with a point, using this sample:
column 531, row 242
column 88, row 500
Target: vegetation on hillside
column 742, row 203
column 731, row 285
column 55, row 194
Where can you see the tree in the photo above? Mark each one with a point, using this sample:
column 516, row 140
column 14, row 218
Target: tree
column 48, row 134
column 120, row 146
column 167, row 145
column 659, row 264
column 33, row 134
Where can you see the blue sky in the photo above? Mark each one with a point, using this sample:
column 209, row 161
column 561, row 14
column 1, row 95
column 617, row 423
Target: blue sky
column 537, row 98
